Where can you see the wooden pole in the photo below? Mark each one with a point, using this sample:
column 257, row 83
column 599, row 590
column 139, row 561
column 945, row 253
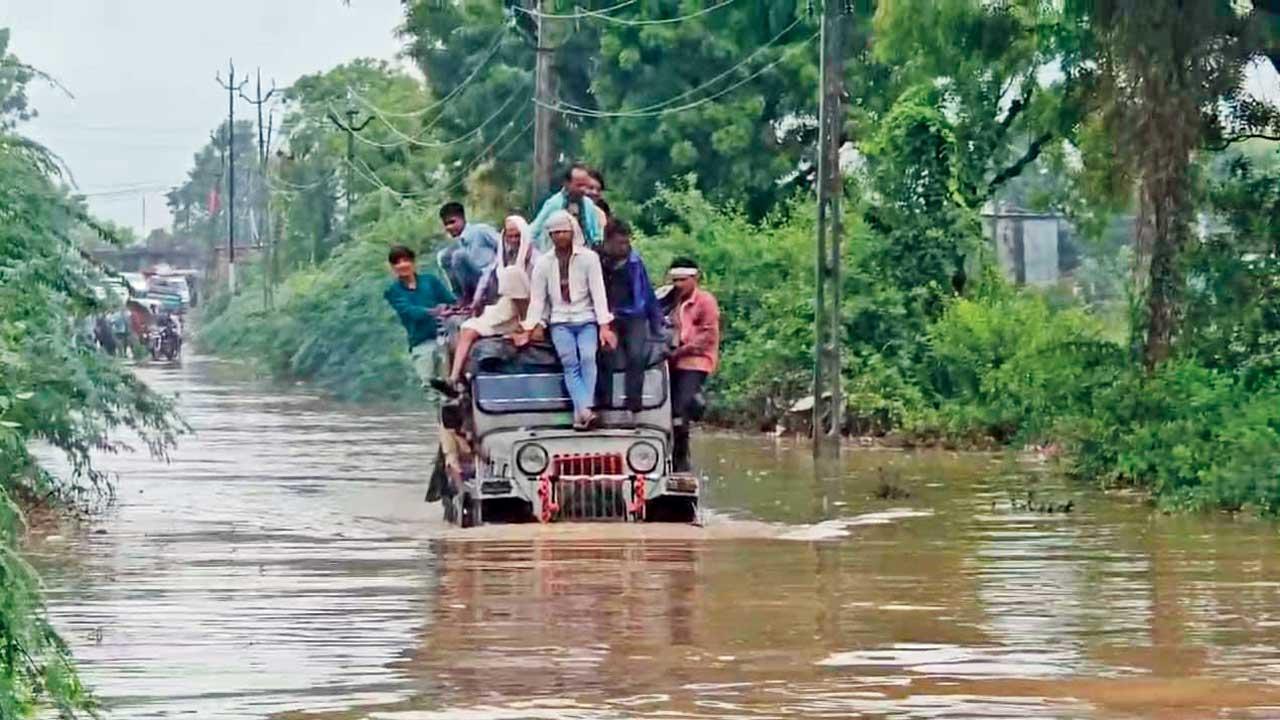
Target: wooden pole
column 827, row 417
column 544, row 151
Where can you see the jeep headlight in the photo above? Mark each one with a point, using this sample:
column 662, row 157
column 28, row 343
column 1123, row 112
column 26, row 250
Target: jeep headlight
column 642, row 458
column 532, row 459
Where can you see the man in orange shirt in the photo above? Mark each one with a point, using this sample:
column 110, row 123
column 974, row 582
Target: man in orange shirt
column 697, row 324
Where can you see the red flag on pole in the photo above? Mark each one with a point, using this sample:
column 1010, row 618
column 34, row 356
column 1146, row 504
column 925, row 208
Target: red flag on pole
column 215, row 202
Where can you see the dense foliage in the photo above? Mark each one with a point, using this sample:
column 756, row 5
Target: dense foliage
column 330, row 324
column 55, row 388
column 1120, row 115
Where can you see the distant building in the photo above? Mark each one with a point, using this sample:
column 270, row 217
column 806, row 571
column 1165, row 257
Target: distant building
column 1032, row 248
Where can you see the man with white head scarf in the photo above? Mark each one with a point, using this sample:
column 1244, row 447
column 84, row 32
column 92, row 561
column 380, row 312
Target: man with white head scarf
column 568, row 296
column 517, row 249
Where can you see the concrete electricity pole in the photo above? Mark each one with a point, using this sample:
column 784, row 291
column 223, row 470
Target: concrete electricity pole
column 827, row 418
column 350, row 128
column 264, row 140
column 232, row 89
column 544, row 150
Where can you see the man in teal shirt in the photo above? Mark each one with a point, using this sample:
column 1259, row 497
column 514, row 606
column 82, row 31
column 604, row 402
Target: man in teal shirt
column 573, row 197
column 418, row 299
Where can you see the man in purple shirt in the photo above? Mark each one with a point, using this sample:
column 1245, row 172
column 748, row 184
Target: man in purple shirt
column 636, row 315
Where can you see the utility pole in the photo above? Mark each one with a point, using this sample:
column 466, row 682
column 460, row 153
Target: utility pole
column 232, row 89
column 544, row 151
column 827, row 418
column 350, row 128
column 263, row 142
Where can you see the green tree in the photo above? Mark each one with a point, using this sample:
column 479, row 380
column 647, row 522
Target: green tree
column 1171, row 85
column 309, row 177
column 58, row 389
column 727, row 95
column 201, row 203
column 649, row 93
column 14, row 76
column 967, row 107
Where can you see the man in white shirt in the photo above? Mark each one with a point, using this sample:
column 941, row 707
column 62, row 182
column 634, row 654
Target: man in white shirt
column 568, row 296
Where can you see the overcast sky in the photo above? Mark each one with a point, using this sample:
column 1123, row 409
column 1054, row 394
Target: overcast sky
column 142, row 73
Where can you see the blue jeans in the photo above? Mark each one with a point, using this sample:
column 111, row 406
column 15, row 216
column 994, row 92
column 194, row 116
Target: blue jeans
column 576, row 345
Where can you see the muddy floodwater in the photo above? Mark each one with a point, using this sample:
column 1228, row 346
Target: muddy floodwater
column 285, row 566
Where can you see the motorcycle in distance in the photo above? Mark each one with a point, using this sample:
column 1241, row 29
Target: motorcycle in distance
column 164, row 341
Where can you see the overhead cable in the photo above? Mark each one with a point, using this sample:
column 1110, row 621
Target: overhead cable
column 370, row 175
column 663, row 108
column 578, row 13
column 408, row 140
column 691, row 91
column 462, row 176
column 493, row 50
column 601, row 15
column 126, row 190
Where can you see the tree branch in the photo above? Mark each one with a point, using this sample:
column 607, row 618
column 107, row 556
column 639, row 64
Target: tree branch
column 1031, row 155
column 1016, row 107
column 1228, row 142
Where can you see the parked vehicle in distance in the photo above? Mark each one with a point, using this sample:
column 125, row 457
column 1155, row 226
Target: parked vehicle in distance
column 170, row 286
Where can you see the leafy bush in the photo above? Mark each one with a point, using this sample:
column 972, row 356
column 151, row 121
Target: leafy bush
column 762, row 277
column 1008, row 365
column 1196, row 437
column 330, row 324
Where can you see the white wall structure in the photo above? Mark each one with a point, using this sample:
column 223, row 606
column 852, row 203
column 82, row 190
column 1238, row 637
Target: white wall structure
column 1026, row 244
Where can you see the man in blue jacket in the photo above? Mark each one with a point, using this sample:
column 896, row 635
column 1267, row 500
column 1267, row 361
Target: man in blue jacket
column 637, row 317
column 418, row 299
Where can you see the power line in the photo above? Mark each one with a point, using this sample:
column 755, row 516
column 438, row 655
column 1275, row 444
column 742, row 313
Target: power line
column 493, row 50
column 285, row 185
column 407, row 140
column 352, row 130
column 694, row 90
column 600, row 15
column 462, row 176
column 371, row 177
column 563, row 108
column 578, row 13
column 42, row 124
column 129, row 187
column 116, row 197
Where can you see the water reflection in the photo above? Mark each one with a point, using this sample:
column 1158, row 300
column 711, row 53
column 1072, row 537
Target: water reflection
column 284, row 566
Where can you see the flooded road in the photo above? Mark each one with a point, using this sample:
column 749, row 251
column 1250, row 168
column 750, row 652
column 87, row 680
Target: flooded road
column 284, row 566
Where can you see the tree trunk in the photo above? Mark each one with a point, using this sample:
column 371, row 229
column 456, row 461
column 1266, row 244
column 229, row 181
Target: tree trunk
column 1163, row 230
